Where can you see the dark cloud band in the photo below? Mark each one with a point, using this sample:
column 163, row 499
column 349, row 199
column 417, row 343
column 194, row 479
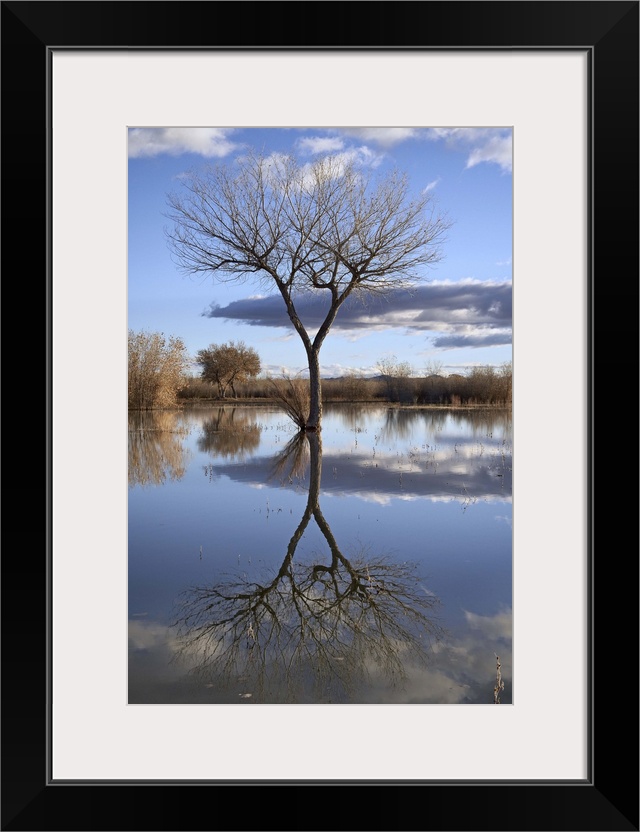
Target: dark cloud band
column 467, row 313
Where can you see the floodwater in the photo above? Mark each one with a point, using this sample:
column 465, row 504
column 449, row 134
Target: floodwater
column 369, row 564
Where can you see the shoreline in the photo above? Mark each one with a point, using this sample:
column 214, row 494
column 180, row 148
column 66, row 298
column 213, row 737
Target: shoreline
column 205, row 403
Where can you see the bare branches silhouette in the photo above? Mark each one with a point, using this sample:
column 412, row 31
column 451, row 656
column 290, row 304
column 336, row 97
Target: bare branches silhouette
column 319, row 625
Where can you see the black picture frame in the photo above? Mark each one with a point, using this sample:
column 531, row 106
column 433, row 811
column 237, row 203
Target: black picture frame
column 608, row 798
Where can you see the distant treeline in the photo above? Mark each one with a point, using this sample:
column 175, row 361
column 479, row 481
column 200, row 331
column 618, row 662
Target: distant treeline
column 479, row 386
column 158, row 378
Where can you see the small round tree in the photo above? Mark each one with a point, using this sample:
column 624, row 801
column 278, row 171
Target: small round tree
column 225, row 364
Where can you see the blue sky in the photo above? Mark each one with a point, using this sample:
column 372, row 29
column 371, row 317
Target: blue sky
column 460, row 315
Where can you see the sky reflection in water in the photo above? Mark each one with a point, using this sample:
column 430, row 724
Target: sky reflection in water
column 371, row 566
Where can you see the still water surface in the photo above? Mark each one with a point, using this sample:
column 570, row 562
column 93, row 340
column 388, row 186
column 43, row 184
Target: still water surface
column 370, row 564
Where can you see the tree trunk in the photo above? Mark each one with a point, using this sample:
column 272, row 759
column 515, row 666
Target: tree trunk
column 315, row 390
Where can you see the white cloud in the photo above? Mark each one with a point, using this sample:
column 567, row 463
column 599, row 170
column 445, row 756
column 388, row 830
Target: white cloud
column 482, row 144
column 382, row 136
column 205, row 141
column 431, row 186
column 494, row 626
column 278, row 370
column 497, row 149
column 461, row 669
column 146, row 635
column 321, row 144
column 502, row 518
column 338, row 162
column 331, row 165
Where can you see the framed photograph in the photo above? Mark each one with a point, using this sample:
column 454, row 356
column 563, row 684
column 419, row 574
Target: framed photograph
column 98, row 97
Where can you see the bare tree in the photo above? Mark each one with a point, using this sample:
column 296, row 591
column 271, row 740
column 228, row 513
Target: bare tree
column 325, row 227
column 395, row 376
column 433, row 368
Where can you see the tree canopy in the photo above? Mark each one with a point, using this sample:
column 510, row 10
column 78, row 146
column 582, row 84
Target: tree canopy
column 329, row 226
column 225, row 364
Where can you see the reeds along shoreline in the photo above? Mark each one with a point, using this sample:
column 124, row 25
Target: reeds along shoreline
column 481, row 387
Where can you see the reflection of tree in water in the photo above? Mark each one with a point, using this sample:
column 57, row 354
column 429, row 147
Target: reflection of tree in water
column 156, row 451
column 313, row 629
column 229, row 433
column 292, row 461
column 399, row 422
column 352, row 416
column 485, row 421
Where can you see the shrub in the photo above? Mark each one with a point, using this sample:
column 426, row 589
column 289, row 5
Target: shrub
column 157, row 368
